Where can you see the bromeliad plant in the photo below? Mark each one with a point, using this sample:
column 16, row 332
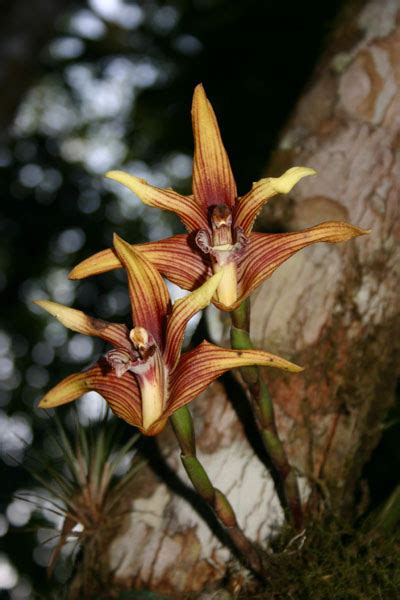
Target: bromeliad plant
column 220, row 236
column 85, row 490
column 145, row 379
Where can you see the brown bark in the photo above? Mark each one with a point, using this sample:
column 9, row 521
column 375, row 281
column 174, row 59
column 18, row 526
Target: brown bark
column 332, row 308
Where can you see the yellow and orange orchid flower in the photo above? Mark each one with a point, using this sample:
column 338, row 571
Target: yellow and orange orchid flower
column 144, row 379
column 219, row 223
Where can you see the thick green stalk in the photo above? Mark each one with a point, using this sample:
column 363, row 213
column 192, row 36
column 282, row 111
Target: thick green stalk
column 183, row 427
column 264, row 408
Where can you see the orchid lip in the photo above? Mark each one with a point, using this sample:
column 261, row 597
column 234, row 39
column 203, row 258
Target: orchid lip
column 146, row 362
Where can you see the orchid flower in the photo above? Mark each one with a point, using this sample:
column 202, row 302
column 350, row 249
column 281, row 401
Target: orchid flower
column 219, row 223
column 144, row 378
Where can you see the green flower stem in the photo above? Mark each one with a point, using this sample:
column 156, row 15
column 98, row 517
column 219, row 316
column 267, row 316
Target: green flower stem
column 182, row 424
column 264, row 408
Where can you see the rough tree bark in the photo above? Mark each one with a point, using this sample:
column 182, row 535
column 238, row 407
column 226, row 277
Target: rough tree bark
column 331, row 308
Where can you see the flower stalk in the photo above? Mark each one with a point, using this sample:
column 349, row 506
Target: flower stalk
column 264, row 410
column 182, row 424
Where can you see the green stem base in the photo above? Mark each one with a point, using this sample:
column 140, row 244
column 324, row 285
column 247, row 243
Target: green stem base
column 264, row 409
column 183, row 427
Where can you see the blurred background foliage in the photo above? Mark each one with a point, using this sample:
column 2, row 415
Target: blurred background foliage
column 107, row 84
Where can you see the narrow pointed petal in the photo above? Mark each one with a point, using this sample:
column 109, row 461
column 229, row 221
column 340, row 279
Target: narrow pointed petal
column 213, row 181
column 178, row 258
column 66, row 391
column 248, row 206
column 147, row 290
column 266, row 252
column 183, row 311
column 185, row 207
column 122, row 394
column 198, row 368
column 101, row 262
column 113, row 333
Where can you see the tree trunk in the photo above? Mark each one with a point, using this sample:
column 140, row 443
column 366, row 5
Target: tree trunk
column 333, row 309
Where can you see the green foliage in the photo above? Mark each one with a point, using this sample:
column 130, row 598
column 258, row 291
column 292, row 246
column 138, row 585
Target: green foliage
column 86, row 486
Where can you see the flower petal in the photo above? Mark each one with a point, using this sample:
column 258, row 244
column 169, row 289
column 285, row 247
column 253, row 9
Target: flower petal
column 248, row 206
column 198, row 368
column 213, row 181
column 148, row 292
column 101, row 262
column 113, row 333
column 122, row 394
column 67, row 390
column 266, row 252
column 180, row 260
column 182, row 312
column 177, row 257
column 185, row 207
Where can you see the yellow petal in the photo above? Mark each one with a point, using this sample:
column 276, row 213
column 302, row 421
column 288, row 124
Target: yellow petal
column 67, row 390
column 114, row 333
column 250, row 205
column 101, row 262
column 182, row 312
column 227, row 293
column 184, row 206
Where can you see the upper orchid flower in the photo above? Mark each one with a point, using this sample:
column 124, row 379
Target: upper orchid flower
column 219, row 223
column 144, row 378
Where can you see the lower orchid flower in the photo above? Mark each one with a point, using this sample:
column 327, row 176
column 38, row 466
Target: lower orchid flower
column 219, row 223
column 144, row 378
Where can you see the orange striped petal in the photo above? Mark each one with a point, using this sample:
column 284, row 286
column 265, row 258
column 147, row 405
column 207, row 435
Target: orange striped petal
column 113, row 333
column 148, row 292
column 266, row 252
column 182, row 312
column 180, row 260
column 66, row 391
column 248, row 206
column 176, row 257
column 101, row 262
column 213, row 181
column 121, row 393
column 198, row 368
column 191, row 215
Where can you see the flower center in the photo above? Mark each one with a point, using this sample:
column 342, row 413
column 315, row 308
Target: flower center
column 146, row 362
column 225, row 243
column 221, row 227
column 143, row 343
